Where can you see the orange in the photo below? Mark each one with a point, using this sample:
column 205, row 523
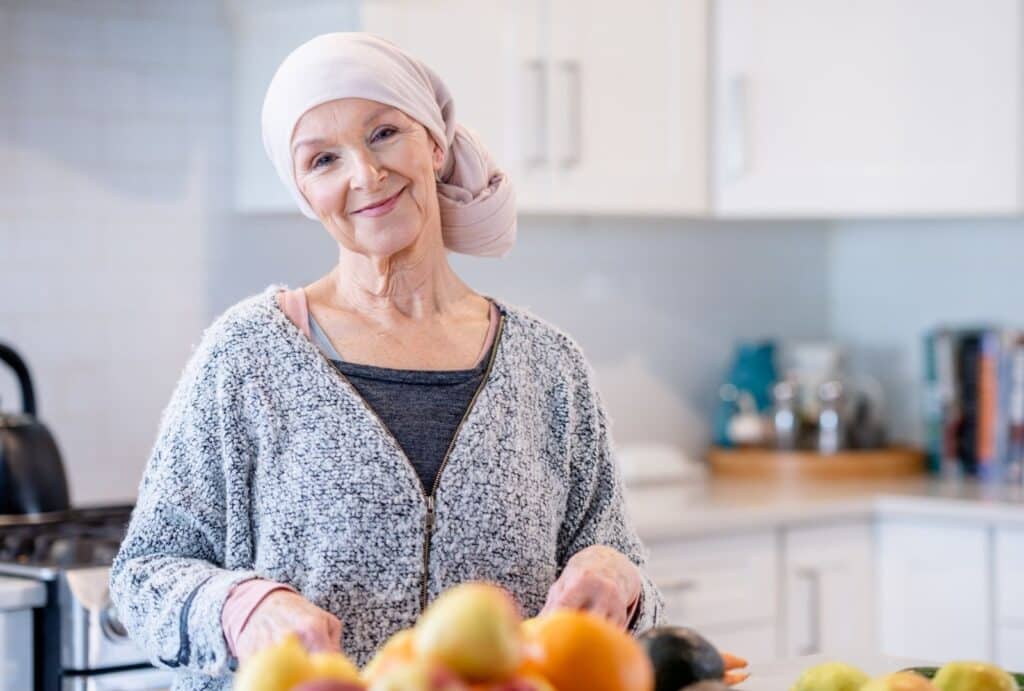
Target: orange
column 397, row 650
column 577, row 651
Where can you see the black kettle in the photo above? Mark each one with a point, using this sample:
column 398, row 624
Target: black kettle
column 32, row 476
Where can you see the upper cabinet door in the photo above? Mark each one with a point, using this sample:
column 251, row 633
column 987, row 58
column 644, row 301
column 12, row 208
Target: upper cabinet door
column 627, row 92
column 878, row 107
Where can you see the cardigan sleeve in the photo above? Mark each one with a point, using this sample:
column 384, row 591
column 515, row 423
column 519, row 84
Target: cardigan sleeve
column 595, row 511
column 168, row 580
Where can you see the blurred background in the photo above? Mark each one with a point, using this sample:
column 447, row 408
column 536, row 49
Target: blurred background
column 835, row 175
column 717, row 197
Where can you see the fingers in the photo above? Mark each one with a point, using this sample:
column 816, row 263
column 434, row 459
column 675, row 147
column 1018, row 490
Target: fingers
column 290, row 613
column 582, row 590
column 320, row 632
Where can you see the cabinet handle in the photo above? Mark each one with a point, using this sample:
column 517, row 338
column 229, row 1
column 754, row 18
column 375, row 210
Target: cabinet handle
column 573, row 113
column 536, row 114
column 813, row 579
column 737, row 140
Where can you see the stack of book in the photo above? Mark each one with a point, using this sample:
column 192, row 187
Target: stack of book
column 975, row 402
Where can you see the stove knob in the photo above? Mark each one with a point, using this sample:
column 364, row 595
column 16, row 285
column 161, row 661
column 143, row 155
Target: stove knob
column 111, row 626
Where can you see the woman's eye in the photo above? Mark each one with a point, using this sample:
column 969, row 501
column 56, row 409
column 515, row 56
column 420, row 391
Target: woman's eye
column 384, row 133
column 322, row 160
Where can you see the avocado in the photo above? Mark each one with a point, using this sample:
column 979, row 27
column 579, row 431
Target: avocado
column 680, row 656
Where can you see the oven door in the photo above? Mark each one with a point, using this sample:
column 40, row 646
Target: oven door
column 91, row 636
column 148, row 679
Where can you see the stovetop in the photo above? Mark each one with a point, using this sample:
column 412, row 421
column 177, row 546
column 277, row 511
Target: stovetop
column 42, row 545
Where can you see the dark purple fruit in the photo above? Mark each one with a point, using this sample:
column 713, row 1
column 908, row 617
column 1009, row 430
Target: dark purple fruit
column 681, row 657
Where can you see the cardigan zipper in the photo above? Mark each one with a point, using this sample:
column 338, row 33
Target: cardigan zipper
column 431, row 514
column 428, row 498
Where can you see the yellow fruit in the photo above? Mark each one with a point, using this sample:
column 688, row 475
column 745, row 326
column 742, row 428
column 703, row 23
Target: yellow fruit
column 831, row 676
column 973, row 676
column 900, row 681
column 333, row 666
column 276, row 668
column 577, row 651
column 397, row 650
column 473, row 629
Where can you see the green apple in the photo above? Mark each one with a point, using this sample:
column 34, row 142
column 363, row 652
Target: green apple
column 831, row 676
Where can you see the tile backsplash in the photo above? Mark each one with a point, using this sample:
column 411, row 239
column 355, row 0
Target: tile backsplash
column 113, row 125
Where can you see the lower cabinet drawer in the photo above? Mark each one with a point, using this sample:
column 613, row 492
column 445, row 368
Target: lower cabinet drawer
column 715, row 581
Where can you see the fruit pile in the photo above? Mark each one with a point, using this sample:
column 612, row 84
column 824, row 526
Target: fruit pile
column 473, row 639
column 955, row 676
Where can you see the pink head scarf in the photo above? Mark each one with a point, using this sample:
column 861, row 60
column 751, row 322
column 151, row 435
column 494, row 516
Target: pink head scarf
column 476, row 199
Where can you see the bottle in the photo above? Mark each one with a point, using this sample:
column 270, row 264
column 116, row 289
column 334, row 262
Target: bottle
column 785, row 422
column 830, row 422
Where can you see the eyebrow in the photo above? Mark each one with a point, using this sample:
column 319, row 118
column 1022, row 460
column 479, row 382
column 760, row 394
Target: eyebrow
column 308, row 141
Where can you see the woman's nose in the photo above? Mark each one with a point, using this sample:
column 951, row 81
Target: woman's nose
column 367, row 171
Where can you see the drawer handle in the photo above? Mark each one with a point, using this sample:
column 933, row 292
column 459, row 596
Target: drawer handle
column 813, row 579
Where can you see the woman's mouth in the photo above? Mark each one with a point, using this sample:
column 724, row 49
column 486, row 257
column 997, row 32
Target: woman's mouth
column 383, row 207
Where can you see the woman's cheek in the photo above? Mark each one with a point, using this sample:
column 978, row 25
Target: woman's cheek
column 327, row 199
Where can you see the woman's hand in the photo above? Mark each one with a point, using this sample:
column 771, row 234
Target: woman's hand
column 283, row 612
column 597, row 579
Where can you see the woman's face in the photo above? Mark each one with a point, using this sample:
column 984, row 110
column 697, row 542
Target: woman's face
column 351, row 155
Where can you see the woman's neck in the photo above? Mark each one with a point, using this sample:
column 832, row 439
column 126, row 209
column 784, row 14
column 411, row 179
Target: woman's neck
column 399, row 289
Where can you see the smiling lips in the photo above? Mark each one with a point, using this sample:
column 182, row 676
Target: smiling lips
column 382, row 207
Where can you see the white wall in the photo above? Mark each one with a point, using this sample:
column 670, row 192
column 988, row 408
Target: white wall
column 112, row 171
column 656, row 304
column 891, row 281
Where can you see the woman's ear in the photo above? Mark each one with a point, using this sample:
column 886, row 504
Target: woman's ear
column 437, row 155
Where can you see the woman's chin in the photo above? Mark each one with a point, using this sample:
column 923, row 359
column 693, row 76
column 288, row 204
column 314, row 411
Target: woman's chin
column 382, row 242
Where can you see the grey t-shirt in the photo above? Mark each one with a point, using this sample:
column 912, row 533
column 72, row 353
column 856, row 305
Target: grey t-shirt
column 422, row 409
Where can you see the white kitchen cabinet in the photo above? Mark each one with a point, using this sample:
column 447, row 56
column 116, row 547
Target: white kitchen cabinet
column 724, row 586
column 1009, row 562
column 756, row 641
column 828, row 589
column 1009, row 607
column 934, row 589
column 828, row 108
column 626, row 124
column 1010, row 647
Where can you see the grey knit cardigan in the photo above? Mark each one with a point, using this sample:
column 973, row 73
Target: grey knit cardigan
column 268, row 464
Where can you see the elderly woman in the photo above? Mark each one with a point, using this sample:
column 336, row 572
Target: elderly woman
column 335, row 456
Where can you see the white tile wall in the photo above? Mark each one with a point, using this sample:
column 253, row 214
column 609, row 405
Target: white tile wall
column 112, row 168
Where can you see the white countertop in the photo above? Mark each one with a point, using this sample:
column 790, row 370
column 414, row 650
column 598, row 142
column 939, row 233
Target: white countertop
column 20, row 593
column 720, row 506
